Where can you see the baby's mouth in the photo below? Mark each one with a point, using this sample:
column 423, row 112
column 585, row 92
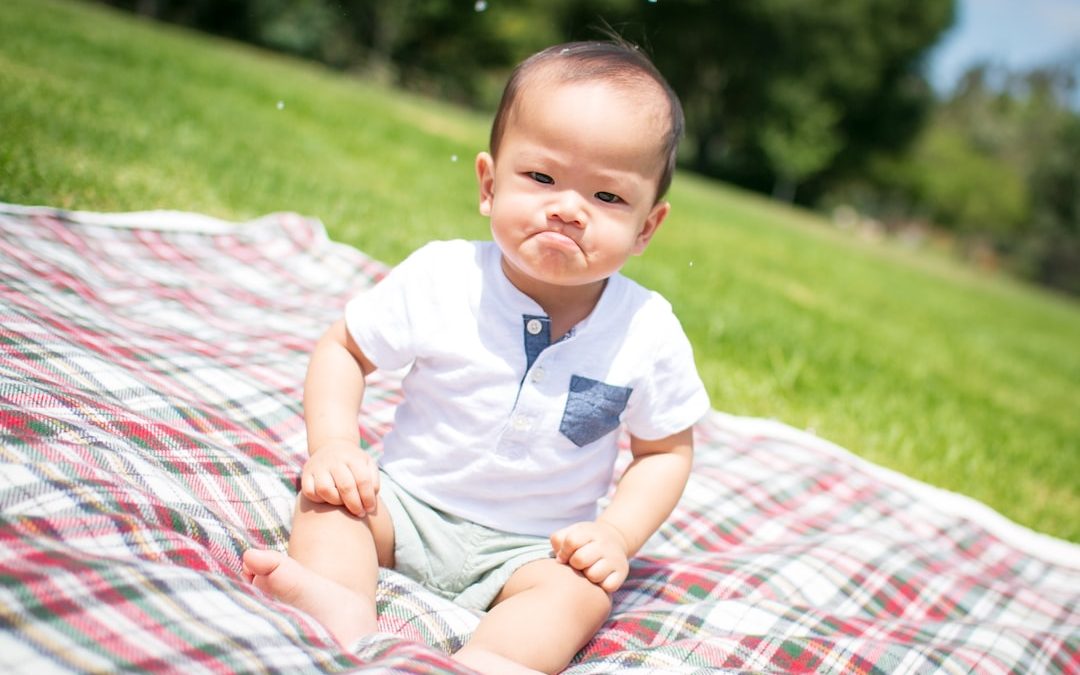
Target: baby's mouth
column 556, row 239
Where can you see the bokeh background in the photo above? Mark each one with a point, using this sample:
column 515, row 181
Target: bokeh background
column 829, row 104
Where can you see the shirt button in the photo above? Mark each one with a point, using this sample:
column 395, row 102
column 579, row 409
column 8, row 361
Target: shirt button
column 534, row 326
column 520, row 423
column 538, row 374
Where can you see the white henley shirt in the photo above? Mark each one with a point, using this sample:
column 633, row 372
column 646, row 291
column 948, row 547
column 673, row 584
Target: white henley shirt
column 497, row 425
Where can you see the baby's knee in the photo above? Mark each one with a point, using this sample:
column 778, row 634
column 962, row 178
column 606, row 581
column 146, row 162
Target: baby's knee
column 587, row 599
column 563, row 588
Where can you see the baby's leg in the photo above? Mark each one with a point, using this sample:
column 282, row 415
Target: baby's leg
column 546, row 612
column 332, row 567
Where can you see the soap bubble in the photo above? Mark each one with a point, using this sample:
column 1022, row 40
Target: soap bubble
column 453, row 158
column 281, row 105
column 480, row 5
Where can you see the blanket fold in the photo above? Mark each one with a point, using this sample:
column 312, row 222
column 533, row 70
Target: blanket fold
column 151, row 367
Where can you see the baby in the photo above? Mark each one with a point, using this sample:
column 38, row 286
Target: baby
column 525, row 356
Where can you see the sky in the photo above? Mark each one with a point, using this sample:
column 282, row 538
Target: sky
column 1014, row 33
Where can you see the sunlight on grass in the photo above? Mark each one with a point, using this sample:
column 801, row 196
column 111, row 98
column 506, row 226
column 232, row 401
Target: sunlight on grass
column 960, row 379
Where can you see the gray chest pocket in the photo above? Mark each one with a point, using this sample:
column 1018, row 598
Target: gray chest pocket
column 592, row 409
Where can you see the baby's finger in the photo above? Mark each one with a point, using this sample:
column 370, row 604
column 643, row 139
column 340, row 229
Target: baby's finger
column 347, row 491
column 326, row 489
column 369, row 497
column 586, row 556
column 309, row 488
column 612, row 581
column 558, row 541
column 366, row 482
column 598, row 571
column 574, row 538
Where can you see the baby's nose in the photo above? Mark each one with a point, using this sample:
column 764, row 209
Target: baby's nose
column 568, row 207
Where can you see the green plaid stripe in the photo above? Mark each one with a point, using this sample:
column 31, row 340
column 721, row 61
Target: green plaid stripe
column 150, row 431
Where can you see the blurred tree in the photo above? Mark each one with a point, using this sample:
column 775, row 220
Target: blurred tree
column 223, row 17
column 812, row 100
column 1051, row 252
column 786, row 92
column 787, row 96
column 1048, row 250
column 798, row 137
column 457, row 49
column 967, row 187
column 302, row 27
column 997, row 163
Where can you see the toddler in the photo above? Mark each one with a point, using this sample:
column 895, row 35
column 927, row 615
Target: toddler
column 525, row 356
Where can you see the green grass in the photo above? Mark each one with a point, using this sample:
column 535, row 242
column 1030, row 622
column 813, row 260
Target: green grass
column 967, row 381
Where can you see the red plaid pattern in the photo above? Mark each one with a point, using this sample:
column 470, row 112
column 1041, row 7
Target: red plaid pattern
column 150, row 431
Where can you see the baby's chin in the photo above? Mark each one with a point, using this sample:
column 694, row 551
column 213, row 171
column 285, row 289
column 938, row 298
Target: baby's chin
column 540, row 262
column 567, row 278
column 557, row 266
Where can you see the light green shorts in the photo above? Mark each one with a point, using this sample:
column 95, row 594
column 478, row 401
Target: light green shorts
column 456, row 558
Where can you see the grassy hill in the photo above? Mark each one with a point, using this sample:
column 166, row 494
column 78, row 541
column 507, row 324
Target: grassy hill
column 967, row 381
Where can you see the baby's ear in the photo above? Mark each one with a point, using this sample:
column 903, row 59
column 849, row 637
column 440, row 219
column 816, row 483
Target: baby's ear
column 485, row 177
column 652, row 224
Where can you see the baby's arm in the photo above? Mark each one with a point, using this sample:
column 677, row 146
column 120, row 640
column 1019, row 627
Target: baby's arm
column 646, row 495
column 337, row 472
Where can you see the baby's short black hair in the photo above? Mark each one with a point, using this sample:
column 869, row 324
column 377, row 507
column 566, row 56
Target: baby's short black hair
column 614, row 60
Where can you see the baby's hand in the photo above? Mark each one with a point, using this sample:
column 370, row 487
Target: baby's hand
column 341, row 474
column 595, row 549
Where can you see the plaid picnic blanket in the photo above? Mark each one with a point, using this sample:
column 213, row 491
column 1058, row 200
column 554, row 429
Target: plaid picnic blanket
column 150, row 431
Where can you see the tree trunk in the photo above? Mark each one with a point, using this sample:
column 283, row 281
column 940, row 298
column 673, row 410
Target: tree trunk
column 701, row 156
column 147, row 8
column 784, row 188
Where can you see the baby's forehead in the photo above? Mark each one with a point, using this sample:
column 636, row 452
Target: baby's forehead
column 590, row 122
column 636, row 91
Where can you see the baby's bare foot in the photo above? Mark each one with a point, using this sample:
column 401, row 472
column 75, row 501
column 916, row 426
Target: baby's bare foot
column 348, row 615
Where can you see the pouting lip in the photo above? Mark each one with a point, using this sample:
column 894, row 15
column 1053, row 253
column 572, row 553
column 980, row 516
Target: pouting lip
column 555, row 237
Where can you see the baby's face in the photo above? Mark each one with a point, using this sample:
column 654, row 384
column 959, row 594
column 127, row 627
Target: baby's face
column 573, row 193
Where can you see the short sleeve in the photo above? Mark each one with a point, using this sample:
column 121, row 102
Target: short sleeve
column 672, row 396
column 381, row 319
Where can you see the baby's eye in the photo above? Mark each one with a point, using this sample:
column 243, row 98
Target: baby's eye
column 608, row 197
column 541, row 178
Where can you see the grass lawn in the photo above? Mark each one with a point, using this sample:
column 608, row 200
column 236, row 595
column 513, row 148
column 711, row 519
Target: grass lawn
column 967, row 381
